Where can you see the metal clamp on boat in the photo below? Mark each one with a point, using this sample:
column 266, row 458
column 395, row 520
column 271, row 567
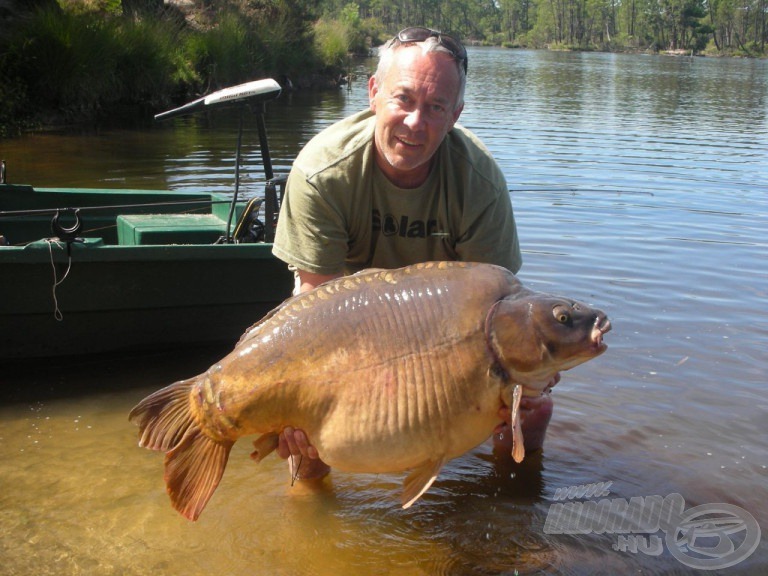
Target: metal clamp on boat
column 66, row 234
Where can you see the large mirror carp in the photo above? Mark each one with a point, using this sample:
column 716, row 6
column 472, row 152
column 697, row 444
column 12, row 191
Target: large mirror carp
column 385, row 371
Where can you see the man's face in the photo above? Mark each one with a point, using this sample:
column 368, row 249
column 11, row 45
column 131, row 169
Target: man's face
column 415, row 107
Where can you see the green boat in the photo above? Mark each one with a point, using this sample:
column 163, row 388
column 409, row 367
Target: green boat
column 87, row 271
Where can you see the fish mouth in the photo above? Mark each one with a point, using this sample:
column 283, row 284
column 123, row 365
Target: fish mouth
column 601, row 327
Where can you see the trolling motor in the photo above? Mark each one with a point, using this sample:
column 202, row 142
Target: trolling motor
column 255, row 93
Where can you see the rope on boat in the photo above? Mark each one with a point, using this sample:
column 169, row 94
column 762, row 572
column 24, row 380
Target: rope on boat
column 56, row 281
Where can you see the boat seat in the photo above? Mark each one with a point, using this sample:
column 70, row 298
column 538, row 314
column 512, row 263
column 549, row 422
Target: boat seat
column 153, row 229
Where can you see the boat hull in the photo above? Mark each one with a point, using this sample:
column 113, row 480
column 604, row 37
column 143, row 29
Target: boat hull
column 89, row 296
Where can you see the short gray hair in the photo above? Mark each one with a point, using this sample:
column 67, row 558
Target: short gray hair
column 431, row 44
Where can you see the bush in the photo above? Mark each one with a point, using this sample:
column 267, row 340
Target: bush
column 85, row 59
column 287, row 45
column 151, row 61
column 12, row 112
column 374, row 33
column 65, row 61
column 222, row 54
column 332, row 42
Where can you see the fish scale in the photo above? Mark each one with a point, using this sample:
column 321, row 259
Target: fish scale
column 421, row 403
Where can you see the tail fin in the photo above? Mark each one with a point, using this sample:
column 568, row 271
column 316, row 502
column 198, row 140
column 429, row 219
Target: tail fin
column 194, row 462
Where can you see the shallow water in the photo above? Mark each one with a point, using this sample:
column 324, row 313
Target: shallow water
column 640, row 184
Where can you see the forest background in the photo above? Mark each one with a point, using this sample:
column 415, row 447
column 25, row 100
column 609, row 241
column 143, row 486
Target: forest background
column 76, row 60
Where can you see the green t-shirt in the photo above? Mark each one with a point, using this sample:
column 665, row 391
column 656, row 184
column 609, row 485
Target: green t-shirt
column 341, row 214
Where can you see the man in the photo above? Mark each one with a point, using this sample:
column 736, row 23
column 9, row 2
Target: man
column 398, row 184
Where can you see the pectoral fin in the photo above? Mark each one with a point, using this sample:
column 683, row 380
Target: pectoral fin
column 265, row 445
column 419, row 481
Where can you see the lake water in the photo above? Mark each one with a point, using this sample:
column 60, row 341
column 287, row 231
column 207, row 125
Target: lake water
column 640, row 184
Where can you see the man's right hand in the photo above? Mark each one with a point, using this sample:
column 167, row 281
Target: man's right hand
column 304, row 460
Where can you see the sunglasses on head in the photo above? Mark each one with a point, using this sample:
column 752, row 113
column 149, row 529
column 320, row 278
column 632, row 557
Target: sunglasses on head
column 419, row 34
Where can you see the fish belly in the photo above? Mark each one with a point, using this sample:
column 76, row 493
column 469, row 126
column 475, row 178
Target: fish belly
column 399, row 423
column 382, row 371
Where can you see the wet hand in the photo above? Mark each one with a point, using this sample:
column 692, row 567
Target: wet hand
column 535, row 413
column 528, row 405
column 532, row 407
column 295, row 443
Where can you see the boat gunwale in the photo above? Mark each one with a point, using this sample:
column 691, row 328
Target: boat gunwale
column 111, row 212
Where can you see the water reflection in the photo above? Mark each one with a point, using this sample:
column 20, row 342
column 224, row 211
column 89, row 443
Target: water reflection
column 639, row 184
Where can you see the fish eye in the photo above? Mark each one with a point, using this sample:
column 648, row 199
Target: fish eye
column 562, row 314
